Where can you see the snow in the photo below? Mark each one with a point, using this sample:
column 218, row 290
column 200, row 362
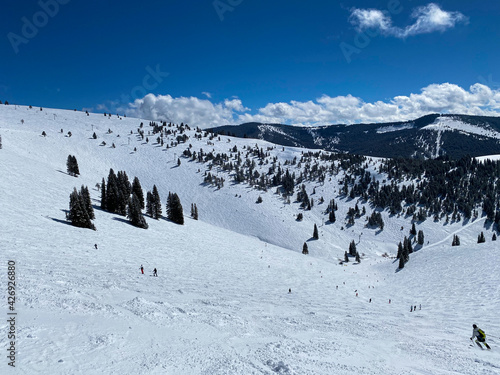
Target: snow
column 452, row 124
column 395, row 128
column 489, row 157
column 220, row 303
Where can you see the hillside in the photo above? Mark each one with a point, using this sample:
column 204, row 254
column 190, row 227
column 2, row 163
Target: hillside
column 221, row 304
column 426, row 137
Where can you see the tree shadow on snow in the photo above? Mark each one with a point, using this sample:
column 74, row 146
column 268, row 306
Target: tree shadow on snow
column 122, row 220
column 66, row 173
column 59, row 220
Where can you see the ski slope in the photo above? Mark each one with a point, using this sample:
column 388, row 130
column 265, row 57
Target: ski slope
column 220, row 303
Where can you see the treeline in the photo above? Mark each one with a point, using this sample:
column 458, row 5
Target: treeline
column 441, row 188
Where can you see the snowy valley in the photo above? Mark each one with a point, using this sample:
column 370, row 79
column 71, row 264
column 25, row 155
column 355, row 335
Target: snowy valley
column 234, row 293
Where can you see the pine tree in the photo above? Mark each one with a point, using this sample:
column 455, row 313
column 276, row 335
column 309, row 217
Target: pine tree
column 103, row 195
column 149, row 204
column 456, row 241
column 358, row 259
column 331, row 216
column 78, row 214
column 315, row 232
column 401, row 263
column 194, row 211
column 72, row 166
column 0, row 142
column 124, row 191
column 481, row 238
column 352, row 248
column 346, row 257
column 174, row 209
column 84, row 192
column 305, row 250
column 420, row 237
column 134, row 213
column 494, row 237
column 400, row 250
column 112, row 192
column 413, row 230
column 156, row 210
column 137, row 189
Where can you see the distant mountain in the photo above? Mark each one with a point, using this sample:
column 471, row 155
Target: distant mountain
column 426, row 137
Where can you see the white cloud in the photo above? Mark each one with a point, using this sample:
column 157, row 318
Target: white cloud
column 192, row 110
column 207, row 94
column 479, row 99
column 428, row 19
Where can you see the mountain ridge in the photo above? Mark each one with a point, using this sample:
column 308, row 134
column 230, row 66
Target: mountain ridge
column 429, row 136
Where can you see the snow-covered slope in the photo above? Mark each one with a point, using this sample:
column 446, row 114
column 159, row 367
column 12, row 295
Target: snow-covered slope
column 221, row 304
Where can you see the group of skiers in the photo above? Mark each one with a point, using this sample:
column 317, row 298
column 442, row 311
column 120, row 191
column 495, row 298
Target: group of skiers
column 155, row 272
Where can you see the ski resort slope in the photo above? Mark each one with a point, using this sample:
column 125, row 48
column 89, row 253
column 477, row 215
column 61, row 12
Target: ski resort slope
column 221, row 301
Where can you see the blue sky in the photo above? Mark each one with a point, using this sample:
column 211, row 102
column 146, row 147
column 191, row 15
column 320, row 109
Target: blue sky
column 229, row 61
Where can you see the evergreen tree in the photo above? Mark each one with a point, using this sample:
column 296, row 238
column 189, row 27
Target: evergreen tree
column 103, row 195
column 0, row 142
column 84, row 192
column 305, row 250
column 137, row 189
column 113, row 196
column 174, row 209
column 358, row 259
column 352, row 248
column 331, row 216
column 456, row 241
column 156, row 210
column 400, row 250
column 134, row 213
column 481, row 238
column 124, row 190
column 420, row 237
column 149, row 204
column 72, row 166
column 494, row 237
column 315, row 232
column 194, row 211
column 413, row 230
column 401, row 263
column 346, row 257
column 78, row 214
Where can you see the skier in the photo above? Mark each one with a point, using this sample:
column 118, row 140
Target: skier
column 95, row 245
column 480, row 336
column 154, row 272
column 142, row 269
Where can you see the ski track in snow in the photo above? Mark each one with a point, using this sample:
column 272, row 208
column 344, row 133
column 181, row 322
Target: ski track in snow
column 220, row 304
